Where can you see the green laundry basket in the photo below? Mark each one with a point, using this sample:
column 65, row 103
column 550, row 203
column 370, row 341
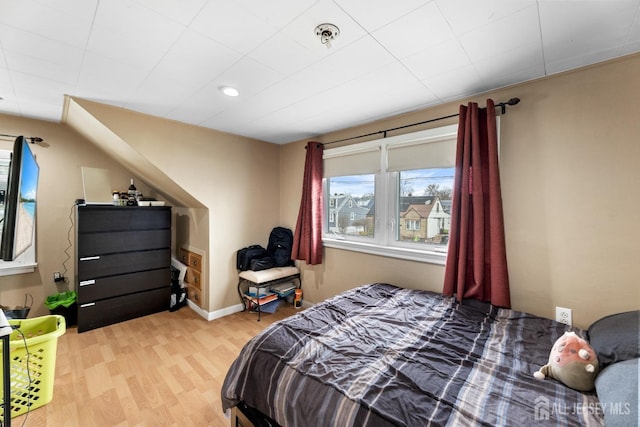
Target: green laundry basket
column 33, row 361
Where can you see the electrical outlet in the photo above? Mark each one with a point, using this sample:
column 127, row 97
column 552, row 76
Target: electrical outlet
column 57, row 277
column 563, row 315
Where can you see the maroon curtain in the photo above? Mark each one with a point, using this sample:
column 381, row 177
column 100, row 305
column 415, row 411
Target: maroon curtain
column 307, row 239
column 477, row 261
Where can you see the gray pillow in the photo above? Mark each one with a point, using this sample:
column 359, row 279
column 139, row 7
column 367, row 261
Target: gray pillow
column 617, row 388
column 616, row 337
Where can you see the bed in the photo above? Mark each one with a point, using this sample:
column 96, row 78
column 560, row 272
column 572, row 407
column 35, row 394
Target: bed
column 381, row 355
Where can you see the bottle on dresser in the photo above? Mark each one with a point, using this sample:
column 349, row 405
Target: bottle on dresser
column 132, row 195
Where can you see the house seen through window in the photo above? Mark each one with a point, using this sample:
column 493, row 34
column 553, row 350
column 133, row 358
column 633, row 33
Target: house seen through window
column 423, row 207
column 392, row 196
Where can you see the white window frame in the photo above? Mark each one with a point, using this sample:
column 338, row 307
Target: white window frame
column 412, row 224
column 384, row 242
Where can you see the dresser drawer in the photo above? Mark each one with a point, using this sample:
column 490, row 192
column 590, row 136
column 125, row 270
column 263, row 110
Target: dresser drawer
column 107, row 287
column 193, row 278
column 195, row 261
column 195, row 295
column 183, row 254
column 120, row 218
column 113, row 310
column 90, row 244
column 94, row 267
column 191, row 259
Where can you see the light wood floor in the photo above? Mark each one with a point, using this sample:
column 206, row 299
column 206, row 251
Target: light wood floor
column 165, row 369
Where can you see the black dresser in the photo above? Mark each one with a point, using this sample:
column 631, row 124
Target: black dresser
column 123, row 263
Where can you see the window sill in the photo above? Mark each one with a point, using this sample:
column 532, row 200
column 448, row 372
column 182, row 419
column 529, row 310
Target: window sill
column 429, row 257
column 10, row 268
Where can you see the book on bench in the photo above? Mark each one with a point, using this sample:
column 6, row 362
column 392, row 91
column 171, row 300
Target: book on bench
column 283, row 289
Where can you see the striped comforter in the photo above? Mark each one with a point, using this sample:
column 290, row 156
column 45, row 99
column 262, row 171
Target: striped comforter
column 381, row 355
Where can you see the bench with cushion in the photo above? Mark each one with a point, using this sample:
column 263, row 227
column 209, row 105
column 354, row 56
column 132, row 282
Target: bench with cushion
column 265, row 278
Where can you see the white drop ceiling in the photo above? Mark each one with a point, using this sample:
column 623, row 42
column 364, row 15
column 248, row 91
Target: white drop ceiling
column 169, row 58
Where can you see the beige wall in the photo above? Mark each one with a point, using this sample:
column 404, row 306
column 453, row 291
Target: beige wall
column 569, row 156
column 60, row 157
column 233, row 179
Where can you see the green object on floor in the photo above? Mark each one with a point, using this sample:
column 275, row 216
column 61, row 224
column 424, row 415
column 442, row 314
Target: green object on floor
column 63, row 299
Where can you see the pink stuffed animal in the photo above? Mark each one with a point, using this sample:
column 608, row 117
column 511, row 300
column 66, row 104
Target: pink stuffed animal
column 572, row 362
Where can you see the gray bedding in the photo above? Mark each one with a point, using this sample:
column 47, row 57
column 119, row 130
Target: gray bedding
column 381, row 355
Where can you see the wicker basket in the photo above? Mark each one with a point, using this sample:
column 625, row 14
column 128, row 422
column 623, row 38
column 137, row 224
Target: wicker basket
column 33, row 361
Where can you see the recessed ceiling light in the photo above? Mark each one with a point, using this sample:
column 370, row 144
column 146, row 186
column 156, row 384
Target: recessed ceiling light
column 229, row 91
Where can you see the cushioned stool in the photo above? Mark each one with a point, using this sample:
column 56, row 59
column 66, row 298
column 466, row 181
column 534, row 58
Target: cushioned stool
column 265, row 278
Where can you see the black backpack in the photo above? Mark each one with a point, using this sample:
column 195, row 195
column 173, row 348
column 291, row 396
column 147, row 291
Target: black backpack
column 279, row 246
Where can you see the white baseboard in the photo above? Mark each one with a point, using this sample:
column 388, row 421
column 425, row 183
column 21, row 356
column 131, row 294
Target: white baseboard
column 225, row 311
column 211, row 315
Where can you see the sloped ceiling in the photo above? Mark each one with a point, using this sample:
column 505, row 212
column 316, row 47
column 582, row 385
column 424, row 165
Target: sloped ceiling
column 87, row 124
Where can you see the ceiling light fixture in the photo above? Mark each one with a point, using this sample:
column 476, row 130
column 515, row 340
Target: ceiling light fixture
column 326, row 33
column 229, row 91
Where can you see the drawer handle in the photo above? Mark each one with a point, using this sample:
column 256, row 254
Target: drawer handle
column 89, row 258
column 195, row 262
column 195, row 279
column 87, row 282
column 90, row 304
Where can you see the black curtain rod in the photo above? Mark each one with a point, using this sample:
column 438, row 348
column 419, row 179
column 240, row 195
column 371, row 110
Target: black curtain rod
column 502, row 105
column 32, row 139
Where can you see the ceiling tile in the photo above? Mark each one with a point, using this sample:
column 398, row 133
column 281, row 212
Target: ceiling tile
column 131, row 34
column 454, row 83
column 526, row 63
column 66, row 21
column 32, row 54
column 183, row 11
column 202, row 105
column 158, row 95
column 231, row 24
column 414, row 32
column 596, row 27
column 287, row 55
column 276, row 13
column 496, row 39
column 466, row 15
column 196, row 60
column 374, row 14
column 106, row 80
column 437, row 60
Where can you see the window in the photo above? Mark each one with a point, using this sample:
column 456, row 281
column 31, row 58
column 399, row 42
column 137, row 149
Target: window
column 412, row 224
column 349, row 201
column 392, row 196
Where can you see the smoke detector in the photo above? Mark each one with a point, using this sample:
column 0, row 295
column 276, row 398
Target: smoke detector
column 326, row 33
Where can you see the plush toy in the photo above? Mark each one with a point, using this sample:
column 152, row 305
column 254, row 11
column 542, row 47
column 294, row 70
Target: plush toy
column 572, row 362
